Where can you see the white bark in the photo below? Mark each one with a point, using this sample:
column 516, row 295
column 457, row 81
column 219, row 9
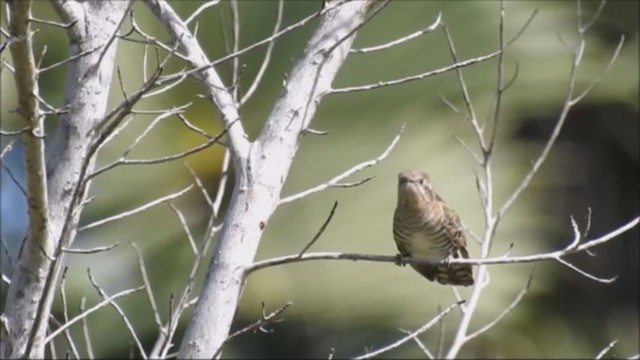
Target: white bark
column 87, row 88
column 32, row 264
column 261, row 166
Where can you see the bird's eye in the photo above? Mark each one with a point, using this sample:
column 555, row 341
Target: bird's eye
column 421, row 181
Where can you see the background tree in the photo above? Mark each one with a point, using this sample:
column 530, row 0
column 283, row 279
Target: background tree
column 179, row 164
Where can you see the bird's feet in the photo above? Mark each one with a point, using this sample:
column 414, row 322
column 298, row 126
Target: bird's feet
column 399, row 261
column 447, row 260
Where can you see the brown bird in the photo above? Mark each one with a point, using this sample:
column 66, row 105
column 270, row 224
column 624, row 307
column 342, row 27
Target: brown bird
column 424, row 226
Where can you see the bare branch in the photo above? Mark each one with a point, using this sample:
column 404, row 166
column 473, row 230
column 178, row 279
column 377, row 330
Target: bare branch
column 401, row 40
column 7, row 148
column 586, row 274
column 137, row 140
column 607, row 348
column 500, row 86
column 201, row 9
column 259, row 324
column 486, row 186
column 235, row 70
column 14, row 179
column 7, row 254
column 147, row 285
column 110, row 300
column 76, row 155
column 568, row 104
column 24, row 282
column 85, row 330
column 137, row 210
column 320, row 231
column 253, row 46
column 472, row 118
column 409, row 337
column 222, row 186
column 335, row 182
column 505, row 312
column 267, row 56
column 599, row 78
column 92, row 250
column 91, row 310
column 65, row 312
column 215, row 87
column 259, row 180
column 52, row 23
column 554, row 255
column 198, row 183
column 183, row 222
column 14, row 133
column 164, row 340
column 67, row 60
column 114, row 34
column 315, row 132
column 407, row 79
column 160, row 160
column 441, row 332
column 420, row 344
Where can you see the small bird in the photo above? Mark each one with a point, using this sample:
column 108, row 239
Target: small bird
column 424, row 226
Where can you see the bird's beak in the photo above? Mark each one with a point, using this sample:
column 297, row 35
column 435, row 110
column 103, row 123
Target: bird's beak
column 410, row 190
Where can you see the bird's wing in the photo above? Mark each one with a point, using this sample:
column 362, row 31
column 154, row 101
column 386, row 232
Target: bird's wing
column 454, row 229
column 398, row 235
column 456, row 274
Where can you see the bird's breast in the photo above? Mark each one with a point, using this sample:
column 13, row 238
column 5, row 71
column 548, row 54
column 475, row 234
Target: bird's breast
column 428, row 244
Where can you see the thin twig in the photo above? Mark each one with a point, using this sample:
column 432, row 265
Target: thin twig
column 67, row 60
column 421, row 76
column 321, row 230
column 137, row 210
column 85, row 330
column 401, row 40
column 267, row 56
column 65, row 312
column 336, row 180
column 604, row 351
column 113, row 36
column 14, row 179
column 147, row 285
column 91, row 310
column 198, row 183
column 164, row 340
column 110, row 300
column 569, row 103
column 251, row 47
column 420, row 344
column 441, row 333
column 412, row 335
column 505, row 312
column 222, row 185
column 264, row 319
column 185, row 227
column 7, row 148
column 53, row 23
column 91, row 250
column 199, row 10
column 586, row 274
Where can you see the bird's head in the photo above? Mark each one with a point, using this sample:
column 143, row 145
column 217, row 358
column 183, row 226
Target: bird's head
column 414, row 188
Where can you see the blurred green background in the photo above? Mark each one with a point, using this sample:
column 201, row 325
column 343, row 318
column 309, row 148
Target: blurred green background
column 353, row 306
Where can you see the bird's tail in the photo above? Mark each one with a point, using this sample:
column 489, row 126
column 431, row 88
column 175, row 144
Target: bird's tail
column 448, row 274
